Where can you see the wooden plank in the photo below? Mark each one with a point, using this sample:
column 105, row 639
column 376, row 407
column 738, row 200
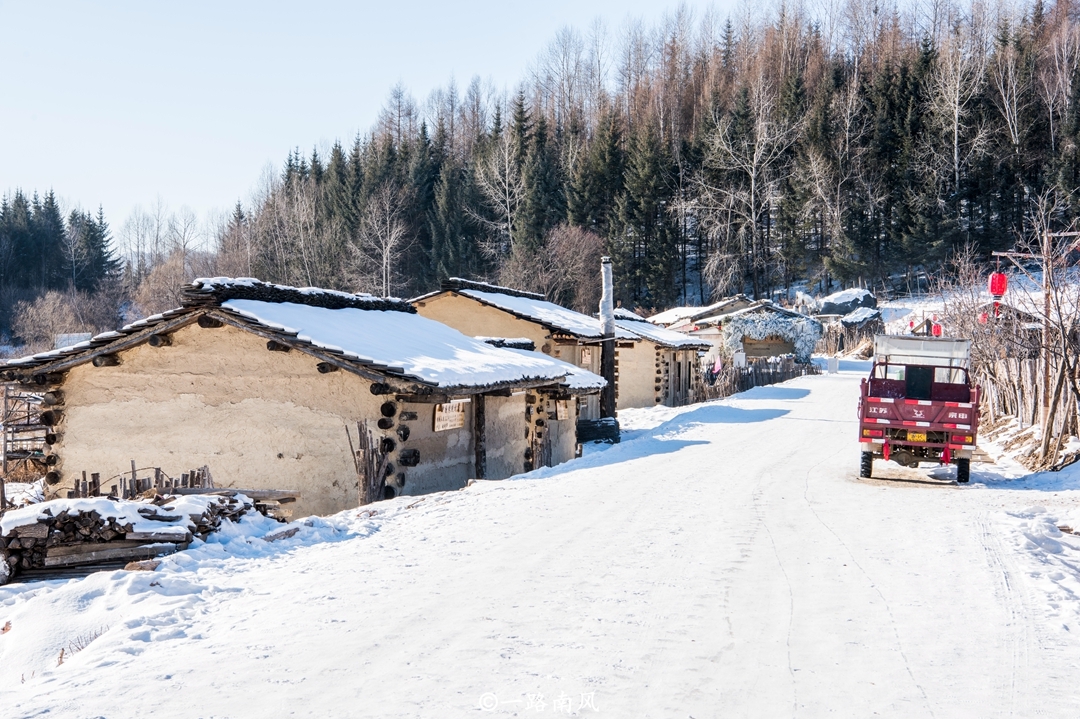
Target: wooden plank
column 480, row 436
column 65, row 550
column 35, row 530
column 174, row 537
column 146, row 551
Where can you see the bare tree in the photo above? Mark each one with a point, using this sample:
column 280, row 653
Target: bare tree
column 54, row 313
column 954, row 84
column 382, row 240
column 831, row 172
column 502, row 188
column 1011, row 84
column 1059, row 66
column 563, row 269
column 751, row 157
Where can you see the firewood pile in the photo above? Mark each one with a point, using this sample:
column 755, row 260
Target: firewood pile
column 66, row 534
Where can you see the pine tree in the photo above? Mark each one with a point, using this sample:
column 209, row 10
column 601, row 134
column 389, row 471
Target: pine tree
column 643, row 245
column 597, row 180
column 543, row 205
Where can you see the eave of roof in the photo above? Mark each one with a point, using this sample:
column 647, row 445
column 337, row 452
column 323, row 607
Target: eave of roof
column 201, row 301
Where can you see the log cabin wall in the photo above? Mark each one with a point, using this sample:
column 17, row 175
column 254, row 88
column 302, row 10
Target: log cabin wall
column 258, row 419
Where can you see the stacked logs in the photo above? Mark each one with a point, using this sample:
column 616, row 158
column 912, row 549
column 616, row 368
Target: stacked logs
column 79, row 538
column 225, row 508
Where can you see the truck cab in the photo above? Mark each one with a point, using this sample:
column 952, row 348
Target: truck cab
column 918, row 404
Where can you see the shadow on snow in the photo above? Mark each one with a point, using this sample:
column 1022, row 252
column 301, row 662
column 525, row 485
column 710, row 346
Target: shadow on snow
column 662, row 439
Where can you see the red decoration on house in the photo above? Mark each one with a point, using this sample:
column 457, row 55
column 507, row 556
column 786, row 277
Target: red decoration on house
column 999, row 284
column 935, row 329
column 984, row 318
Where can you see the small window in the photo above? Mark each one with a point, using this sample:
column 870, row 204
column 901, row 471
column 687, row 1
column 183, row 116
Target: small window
column 948, row 375
column 586, row 356
column 890, row 371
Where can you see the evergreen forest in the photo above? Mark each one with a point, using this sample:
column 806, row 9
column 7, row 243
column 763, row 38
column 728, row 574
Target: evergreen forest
column 756, row 152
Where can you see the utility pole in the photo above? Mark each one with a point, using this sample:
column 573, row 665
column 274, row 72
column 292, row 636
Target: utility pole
column 1047, row 267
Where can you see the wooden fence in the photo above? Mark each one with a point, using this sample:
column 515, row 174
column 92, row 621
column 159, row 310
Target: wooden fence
column 757, row 373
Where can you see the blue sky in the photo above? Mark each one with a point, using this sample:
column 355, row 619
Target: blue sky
column 119, row 103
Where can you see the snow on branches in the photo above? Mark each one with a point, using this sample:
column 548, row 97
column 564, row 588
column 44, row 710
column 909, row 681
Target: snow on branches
column 803, row 332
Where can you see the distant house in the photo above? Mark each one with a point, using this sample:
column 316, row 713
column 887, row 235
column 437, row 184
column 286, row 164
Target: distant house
column 758, row 329
column 479, row 309
column 681, row 318
column 661, row 368
column 766, row 330
column 270, row 387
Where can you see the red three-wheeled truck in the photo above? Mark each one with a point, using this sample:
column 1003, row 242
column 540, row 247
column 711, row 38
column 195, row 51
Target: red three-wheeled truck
column 919, row 405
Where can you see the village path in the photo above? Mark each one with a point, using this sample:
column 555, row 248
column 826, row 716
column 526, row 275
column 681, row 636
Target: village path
column 724, row 561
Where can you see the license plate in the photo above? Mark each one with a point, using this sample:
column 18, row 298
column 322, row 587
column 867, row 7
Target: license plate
column 916, row 436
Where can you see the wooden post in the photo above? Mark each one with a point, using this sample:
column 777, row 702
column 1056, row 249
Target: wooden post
column 1047, row 266
column 480, row 435
column 4, row 445
column 373, row 465
column 3, row 449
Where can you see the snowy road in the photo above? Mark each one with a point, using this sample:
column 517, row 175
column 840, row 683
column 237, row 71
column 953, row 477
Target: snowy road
column 726, row 563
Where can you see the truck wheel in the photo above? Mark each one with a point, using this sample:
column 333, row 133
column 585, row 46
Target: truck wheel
column 866, row 466
column 963, row 470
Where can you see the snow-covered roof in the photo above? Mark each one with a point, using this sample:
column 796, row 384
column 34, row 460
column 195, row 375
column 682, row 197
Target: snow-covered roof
column 517, row 343
column 621, row 313
column 215, row 290
column 422, row 348
column 764, row 320
column 365, row 332
column 533, row 307
column 848, row 295
column 661, row 335
column 861, row 315
column 578, row 379
column 680, row 314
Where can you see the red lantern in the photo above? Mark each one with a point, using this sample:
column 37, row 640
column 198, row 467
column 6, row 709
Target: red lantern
column 935, row 329
column 999, row 284
column 984, row 318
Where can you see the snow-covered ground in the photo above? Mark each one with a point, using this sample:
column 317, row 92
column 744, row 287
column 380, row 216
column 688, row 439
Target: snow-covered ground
column 723, row 561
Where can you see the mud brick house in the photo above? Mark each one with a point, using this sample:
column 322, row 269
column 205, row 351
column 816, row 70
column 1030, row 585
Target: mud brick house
column 479, row 309
column 661, row 368
column 273, row 386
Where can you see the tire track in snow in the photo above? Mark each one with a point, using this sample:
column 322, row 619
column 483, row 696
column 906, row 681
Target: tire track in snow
column 873, row 585
column 1018, row 638
column 761, row 517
